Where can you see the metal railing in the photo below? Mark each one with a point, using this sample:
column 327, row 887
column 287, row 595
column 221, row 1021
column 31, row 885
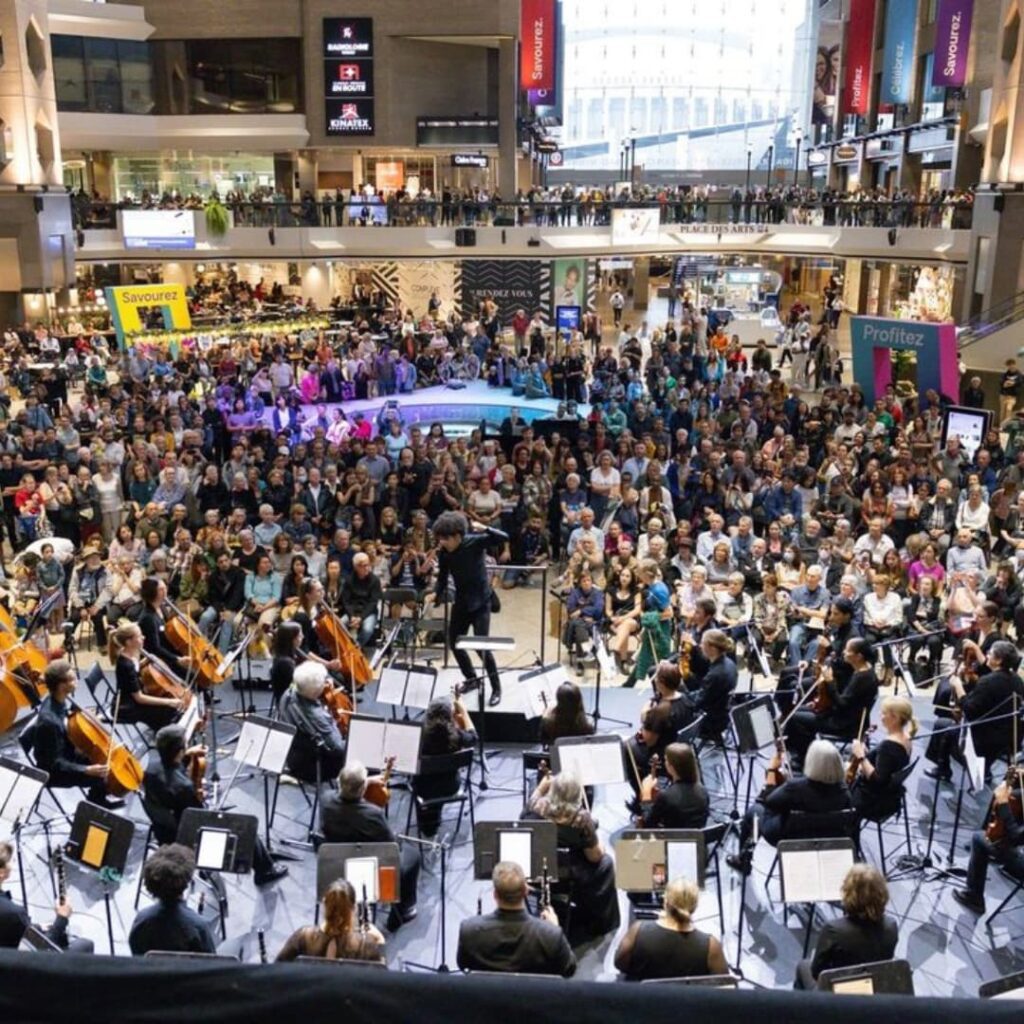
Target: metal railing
column 986, row 323
column 683, row 210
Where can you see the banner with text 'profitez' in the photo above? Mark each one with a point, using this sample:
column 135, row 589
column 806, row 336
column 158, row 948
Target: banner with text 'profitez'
column 952, row 41
column 860, row 46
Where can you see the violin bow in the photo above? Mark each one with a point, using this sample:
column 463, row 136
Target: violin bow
column 636, row 768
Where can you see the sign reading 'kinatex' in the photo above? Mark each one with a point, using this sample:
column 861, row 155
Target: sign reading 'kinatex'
column 348, row 76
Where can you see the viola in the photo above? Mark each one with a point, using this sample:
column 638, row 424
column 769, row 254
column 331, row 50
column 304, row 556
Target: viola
column 995, row 828
column 821, row 702
column 341, row 646
column 184, row 636
column 853, row 768
column 377, row 791
column 90, row 738
column 159, row 681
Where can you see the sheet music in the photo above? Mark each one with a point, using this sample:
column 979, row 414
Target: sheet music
column 402, row 742
column 276, row 750
column 605, row 660
column 593, row 763
column 973, row 765
column 854, row 987
column 814, row 876
column 681, row 857
column 362, row 873
column 190, row 719
column 763, row 724
column 419, row 690
column 540, row 689
column 251, row 741
column 392, row 686
column 366, row 742
column 20, row 798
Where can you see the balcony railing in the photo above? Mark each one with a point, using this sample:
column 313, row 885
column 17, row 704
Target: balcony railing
column 872, row 213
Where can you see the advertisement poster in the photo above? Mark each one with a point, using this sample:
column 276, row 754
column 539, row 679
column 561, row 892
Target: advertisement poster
column 348, row 76
column 952, row 41
column 898, row 54
column 569, row 282
column 537, row 44
column 859, row 52
column 826, row 73
column 512, row 284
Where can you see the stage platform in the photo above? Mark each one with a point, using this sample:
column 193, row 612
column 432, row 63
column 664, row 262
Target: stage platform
column 468, row 406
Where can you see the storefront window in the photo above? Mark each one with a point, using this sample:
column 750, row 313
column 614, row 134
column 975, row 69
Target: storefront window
column 390, row 173
column 922, row 293
column 158, row 174
column 104, row 76
column 245, row 76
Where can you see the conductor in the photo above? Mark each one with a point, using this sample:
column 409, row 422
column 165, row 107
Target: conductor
column 462, row 559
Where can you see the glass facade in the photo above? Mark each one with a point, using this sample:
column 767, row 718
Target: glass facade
column 160, row 173
column 104, row 76
column 217, row 76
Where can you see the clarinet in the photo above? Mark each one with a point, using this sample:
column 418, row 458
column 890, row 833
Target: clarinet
column 62, row 882
column 261, row 939
column 479, row 905
column 364, row 914
column 545, row 886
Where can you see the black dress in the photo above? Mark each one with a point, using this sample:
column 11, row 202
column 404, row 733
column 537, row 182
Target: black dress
column 879, row 795
column 665, row 953
column 282, row 669
column 129, row 683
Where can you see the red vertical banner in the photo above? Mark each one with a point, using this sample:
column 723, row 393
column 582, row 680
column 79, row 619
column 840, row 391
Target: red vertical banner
column 860, row 41
column 537, row 44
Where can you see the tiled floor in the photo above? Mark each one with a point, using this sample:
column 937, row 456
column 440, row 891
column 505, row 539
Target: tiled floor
column 951, row 951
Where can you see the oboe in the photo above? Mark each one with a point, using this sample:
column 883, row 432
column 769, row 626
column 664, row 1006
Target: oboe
column 364, row 913
column 545, row 886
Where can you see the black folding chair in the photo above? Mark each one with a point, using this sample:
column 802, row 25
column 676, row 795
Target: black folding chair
column 435, row 767
column 889, row 812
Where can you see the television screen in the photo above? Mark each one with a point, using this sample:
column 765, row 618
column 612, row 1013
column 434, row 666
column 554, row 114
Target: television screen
column 158, row 229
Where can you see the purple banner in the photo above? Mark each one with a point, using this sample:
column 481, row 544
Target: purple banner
column 952, row 40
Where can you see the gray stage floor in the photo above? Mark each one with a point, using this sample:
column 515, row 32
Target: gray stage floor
column 951, row 951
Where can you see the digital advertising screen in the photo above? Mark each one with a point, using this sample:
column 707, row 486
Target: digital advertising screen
column 158, row 229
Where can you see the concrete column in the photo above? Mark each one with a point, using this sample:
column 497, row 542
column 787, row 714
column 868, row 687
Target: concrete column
column 641, row 283
column 508, row 99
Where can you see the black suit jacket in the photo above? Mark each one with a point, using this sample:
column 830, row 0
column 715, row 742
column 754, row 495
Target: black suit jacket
column 154, row 639
column 354, row 821
column 171, row 790
column 320, row 505
column 14, row 920
column 992, row 697
column 713, row 696
column 845, row 942
column 467, row 567
column 514, row 942
column 54, row 752
column 227, row 589
column 678, row 806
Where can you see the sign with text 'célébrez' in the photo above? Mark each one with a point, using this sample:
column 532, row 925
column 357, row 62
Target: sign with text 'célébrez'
column 348, row 76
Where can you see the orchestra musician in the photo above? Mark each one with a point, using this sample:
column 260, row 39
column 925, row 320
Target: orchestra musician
column 821, row 790
column 844, row 704
column 136, row 706
column 170, row 924
column 168, row 787
column 461, row 558
column 285, row 650
column 671, row 946
column 874, row 788
column 684, row 803
column 1007, row 849
column 509, row 939
column 14, row 918
column 447, row 729
column 709, row 692
column 667, row 713
column 311, row 595
column 566, row 716
column 54, row 751
column 339, row 936
column 154, row 641
column 348, row 817
column 865, row 934
column 692, row 656
column 302, row 707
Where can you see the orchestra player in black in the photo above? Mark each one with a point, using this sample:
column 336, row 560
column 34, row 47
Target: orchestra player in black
column 14, row 918
column 348, row 817
column 684, row 802
column 154, row 641
column 170, row 925
column 133, row 704
column 285, row 650
column 463, row 559
column 846, row 704
column 168, row 788
column 667, row 713
column 509, row 939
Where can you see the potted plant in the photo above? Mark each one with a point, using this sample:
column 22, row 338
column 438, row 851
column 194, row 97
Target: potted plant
column 217, row 219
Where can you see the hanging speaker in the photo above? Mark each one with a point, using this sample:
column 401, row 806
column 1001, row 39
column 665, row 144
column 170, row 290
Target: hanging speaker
column 465, row 237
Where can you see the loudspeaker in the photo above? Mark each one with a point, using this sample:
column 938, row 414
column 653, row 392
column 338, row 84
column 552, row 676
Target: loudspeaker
column 504, row 222
column 465, row 237
column 893, row 236
column 37, row 202
column 272, row 237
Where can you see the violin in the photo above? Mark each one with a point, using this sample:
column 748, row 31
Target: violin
column 159, row 681
column 821, row 702
column 685, row 658
column 339, row 703
column 338, row 641
column 184, row 636
column 776, row 775
column 196, row 762
column 377, row 791
column 90, row 738
column 995, row 828
column 853, row 768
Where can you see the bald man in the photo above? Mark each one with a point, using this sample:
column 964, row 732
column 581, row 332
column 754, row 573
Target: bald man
column 361, row 595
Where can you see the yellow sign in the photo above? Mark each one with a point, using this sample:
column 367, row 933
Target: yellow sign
column 125, row 304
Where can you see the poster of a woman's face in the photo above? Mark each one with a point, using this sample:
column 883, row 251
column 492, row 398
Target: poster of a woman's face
column 569, row 279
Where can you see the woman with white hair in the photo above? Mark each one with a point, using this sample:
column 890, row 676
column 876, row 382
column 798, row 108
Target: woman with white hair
column 559, row 798
column 303, row 707
column 820, row 790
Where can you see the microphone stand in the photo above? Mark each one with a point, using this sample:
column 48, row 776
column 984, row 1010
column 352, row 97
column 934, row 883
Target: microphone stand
column 428, row 844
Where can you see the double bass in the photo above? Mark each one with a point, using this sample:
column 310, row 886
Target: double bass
column 91, row 738
column 340, row 644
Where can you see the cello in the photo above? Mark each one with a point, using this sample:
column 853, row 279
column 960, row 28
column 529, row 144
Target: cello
column 159, row 681
column 184, row 636
column 341, row 645
column 91, row 738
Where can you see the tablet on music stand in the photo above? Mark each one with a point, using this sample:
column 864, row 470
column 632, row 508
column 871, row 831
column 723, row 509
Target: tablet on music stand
column 99, row 838
column 529, row 843
column 375, row 865
column 646, row 860
column 221, row 841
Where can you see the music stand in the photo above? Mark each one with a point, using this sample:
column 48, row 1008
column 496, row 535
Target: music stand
column 590, row 758
column 646, row 860
column 700, row 981
column 408, row 685
column 177, row 954
column 35, row 941
column 756, row 727
column 603, row 663
column 812, row 872
column 1010, row 987
column 540, row 686
column 264, row 744
column 20, row 788
column 100, row 841
column 884, row 977
column 373, row 866
column 482, row 645
column 533, row 845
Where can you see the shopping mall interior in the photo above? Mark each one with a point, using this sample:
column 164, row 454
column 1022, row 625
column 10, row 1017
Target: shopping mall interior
column 505, row 498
